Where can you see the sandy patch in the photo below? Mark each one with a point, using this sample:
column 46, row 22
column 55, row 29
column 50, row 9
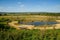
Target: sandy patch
column 57, row 26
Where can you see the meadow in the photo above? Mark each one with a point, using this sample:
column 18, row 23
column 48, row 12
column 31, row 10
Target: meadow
column 10, row 33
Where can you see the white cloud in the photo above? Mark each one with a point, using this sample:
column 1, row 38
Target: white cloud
column 57, row 5
column 1, row 8
column 5, row 9
column 19, row 2
column 22, row 5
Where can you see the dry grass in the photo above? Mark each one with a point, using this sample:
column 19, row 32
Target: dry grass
column 29, row 17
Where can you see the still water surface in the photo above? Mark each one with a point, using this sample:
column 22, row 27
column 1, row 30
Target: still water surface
column 37, row 23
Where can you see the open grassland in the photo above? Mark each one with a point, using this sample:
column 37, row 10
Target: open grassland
column 31, row 18
column 10, row 33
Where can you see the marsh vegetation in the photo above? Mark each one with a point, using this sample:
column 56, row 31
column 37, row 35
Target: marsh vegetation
column 10, row 33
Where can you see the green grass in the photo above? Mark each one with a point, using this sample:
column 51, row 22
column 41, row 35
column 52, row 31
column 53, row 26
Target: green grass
column 30, row 35
column 8, row 33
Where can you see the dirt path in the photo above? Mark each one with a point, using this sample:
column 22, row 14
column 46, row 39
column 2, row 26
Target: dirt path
column 12, row 24
column 58, row 25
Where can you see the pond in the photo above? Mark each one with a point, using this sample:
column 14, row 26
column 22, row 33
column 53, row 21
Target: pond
column 38, row 23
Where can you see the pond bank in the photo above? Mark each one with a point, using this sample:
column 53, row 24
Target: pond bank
column 14, row 24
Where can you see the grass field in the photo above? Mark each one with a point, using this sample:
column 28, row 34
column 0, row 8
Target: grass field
column 30, row 35
column 9, row 33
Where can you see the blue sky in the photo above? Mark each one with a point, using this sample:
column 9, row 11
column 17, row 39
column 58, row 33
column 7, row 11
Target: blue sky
column 29, row 5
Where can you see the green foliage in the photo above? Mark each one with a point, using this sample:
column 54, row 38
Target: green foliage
column 8, row 33
column 29, row 13
column 4, row 27
column 29, row 35
column 0, row 14
column 5, row 20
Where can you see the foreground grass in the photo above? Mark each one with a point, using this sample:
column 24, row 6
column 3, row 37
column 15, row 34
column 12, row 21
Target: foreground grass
column 13, row 34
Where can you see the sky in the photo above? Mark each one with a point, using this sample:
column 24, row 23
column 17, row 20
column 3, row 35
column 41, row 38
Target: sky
column 29, row 5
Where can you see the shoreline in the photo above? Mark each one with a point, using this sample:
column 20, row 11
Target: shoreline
column 57, row 26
